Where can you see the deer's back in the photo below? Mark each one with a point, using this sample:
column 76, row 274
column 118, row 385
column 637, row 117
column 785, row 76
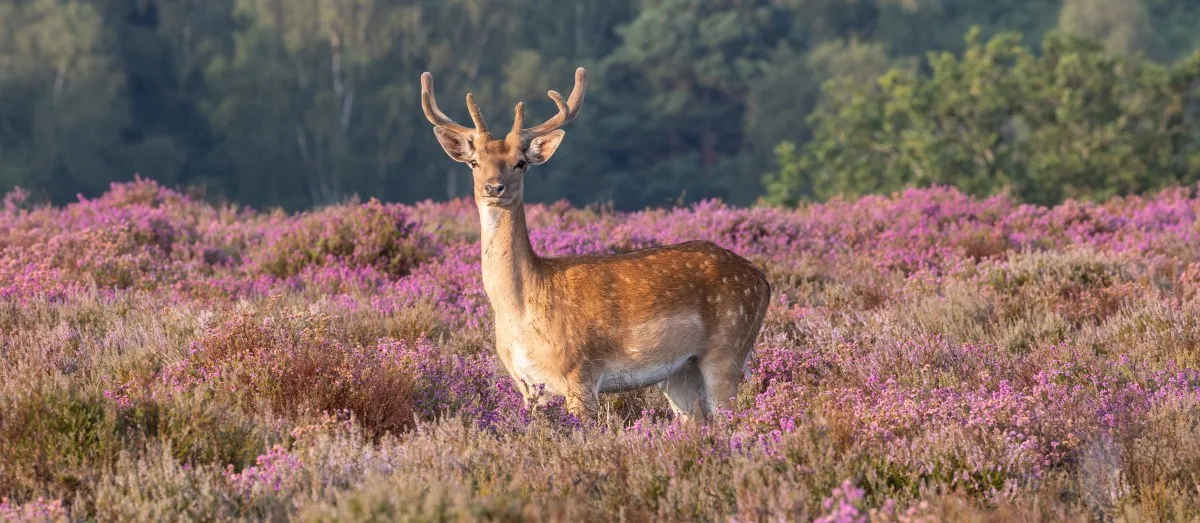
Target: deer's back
column 693, row 278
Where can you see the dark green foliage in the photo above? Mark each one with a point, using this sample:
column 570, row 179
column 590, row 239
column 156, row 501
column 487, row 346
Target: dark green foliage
column 1071, row 121
column 302, row 104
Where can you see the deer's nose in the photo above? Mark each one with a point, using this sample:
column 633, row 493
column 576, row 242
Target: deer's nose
column 493, row 189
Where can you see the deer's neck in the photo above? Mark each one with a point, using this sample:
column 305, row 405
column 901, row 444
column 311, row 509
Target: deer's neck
column 509, row 264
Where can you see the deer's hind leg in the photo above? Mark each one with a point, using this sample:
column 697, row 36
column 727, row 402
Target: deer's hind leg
column 685, row 391
column 723, row 370
column 722, row 376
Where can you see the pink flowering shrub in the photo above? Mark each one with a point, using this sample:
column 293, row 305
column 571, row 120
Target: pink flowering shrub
column 369, row 235
column 927, row 356
column 840, row 505
column 39, row 510
column 137, row 236
column 297, row 371
column 272, row 472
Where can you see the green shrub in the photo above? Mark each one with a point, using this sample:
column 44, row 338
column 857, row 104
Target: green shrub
column 1073, row 121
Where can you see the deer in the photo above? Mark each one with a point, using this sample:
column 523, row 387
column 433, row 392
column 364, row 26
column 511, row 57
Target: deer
column 683, row 317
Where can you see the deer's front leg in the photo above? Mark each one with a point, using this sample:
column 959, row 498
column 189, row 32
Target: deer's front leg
column 582, row 397
column 504, row 351
column 583, row 404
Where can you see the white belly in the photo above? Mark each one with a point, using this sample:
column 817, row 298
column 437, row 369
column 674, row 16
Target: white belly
column 630, row 376
column 658, row 349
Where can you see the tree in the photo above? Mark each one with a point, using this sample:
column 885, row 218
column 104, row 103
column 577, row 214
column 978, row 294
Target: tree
column 301, row 103
column 791, row 89
column 1123, row 25
column 60, row 99
column 161, row 46
column 1174, row 24
column 681, row 78
column 1073, row 122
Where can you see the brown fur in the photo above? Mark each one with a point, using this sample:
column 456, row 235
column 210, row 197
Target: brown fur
column 683, row 316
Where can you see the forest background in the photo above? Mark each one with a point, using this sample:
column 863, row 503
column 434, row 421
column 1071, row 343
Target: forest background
column 303, row 103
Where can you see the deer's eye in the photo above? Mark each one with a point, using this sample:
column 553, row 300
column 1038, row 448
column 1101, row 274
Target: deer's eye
column 474, row 164
column 520, row 164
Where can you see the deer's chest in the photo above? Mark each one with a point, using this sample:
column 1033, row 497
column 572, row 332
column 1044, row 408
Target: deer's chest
column 533, row 365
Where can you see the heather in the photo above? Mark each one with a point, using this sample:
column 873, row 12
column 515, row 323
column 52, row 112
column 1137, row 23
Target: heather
column 927, row 356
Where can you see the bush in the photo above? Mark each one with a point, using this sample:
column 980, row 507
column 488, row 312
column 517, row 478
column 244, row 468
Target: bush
column 54, row 442
column 371, row 235
column 1074, row 121
column 953, row 358
column 300, row 371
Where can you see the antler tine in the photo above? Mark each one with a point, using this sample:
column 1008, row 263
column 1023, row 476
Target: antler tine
column 435, row 115
column 476, row 115
column 518, row 119
column 567, row 110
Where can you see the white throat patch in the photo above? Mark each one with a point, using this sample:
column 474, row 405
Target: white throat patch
column 489, row 219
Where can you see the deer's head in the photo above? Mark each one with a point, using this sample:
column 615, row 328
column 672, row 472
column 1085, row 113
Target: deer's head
column 498, row 165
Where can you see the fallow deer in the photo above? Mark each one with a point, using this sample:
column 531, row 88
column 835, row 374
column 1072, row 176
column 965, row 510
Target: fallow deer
column 684, row 316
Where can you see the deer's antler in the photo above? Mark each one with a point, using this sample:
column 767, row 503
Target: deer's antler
column 567, row 111
column 438, row 118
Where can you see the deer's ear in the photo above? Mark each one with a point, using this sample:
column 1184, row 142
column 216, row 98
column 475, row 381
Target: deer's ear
column 458, row 146
column 543, row 147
